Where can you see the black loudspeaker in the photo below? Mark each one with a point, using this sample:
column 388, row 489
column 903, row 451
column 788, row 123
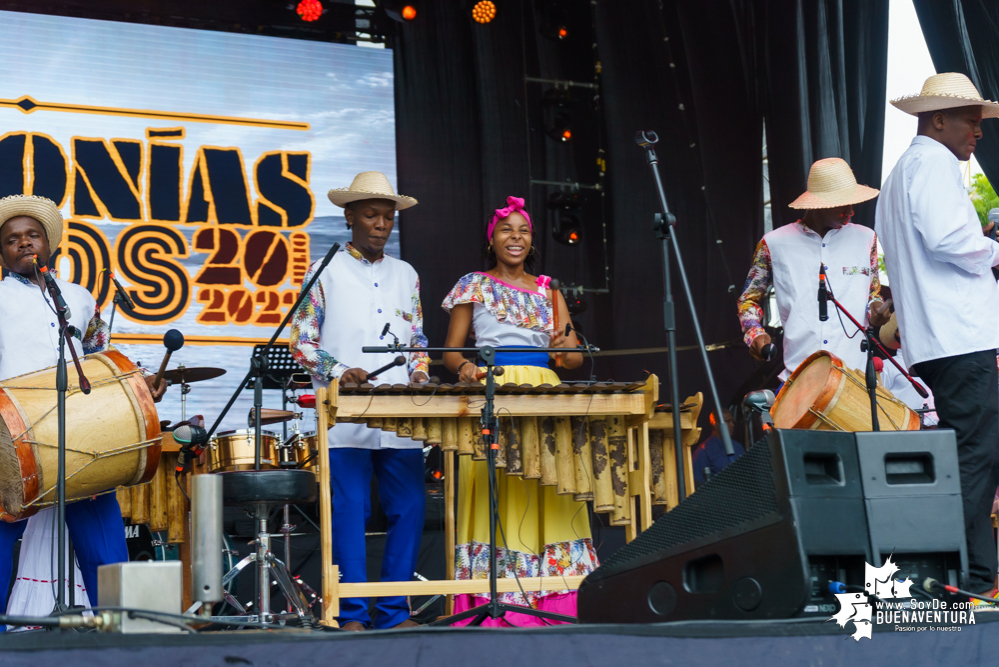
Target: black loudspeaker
column 764, row 537
column 912, row 492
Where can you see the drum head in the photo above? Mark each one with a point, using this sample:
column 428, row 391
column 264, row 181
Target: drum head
column 813, row 383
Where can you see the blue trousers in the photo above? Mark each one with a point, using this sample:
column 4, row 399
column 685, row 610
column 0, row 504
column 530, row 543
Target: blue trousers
column 98, row 533
column 400, row 475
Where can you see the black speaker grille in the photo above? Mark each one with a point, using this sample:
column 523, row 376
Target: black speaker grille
column 742, row 492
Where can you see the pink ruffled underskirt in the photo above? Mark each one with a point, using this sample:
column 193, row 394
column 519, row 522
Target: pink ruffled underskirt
column 559, row 603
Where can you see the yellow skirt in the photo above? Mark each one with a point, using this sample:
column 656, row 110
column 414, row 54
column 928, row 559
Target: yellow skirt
column 532, row 516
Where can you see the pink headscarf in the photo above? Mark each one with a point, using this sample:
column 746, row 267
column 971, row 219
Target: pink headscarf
column 514, row 205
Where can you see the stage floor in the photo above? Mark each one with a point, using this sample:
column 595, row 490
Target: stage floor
column 787, row 644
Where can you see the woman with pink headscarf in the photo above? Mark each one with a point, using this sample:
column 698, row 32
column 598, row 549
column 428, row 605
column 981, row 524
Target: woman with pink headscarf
column 546, row 534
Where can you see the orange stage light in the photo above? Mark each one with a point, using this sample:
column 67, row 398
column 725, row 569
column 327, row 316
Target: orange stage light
column 566, row 135
column 562, row 33
column 409, row 12
column 484, row 11
column 310, row 10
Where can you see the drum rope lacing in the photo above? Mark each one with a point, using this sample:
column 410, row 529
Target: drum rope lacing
column 890, row 399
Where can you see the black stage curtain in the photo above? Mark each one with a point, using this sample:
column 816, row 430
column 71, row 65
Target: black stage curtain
column 963, row 36
column 826, row 71
column 703, row 80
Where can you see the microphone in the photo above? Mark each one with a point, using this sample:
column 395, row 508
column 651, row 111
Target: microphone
column 823, row 295
column 120, row 293
column 386, row 331
column 398, row 361
column 53, row 288
column 192, row 439
column 590, row 349
column 768, row 351
column 994, row 217
column 173, row 340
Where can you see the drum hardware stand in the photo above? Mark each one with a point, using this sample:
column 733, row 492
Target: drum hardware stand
column 258, row 369
column 490, row 428
column 868, row 345
column 663, row 226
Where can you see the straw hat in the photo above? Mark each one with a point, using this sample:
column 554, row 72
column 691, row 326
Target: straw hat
column 831, row 183
column 889, row 334
column 370, row 185
column 41, row 209
column 946, row 91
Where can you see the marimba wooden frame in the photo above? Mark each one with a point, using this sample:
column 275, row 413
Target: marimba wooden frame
column 637, row 406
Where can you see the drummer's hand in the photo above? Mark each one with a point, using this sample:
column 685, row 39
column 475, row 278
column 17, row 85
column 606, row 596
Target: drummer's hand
column 880, row 314
column 157, row 393
column 559, row 339
column 419, row 377
column 355, row 375
column 756, row 348
column 988, row 228
column 468, row 373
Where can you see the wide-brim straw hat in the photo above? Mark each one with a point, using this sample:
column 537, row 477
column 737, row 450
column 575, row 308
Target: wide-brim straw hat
column 946, row 91
column 41, row 209
column 370, row 185
column 831, row 184
column 889, row 333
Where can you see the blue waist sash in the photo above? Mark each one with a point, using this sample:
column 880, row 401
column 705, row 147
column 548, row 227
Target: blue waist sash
column 539, row 358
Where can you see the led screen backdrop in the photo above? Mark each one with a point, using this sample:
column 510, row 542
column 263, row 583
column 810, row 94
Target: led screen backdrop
column 195, row 165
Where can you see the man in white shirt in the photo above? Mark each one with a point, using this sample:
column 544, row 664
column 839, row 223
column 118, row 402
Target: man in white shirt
column 360, row 292
column 790, row 258
column 29, row 340
column 939, row 264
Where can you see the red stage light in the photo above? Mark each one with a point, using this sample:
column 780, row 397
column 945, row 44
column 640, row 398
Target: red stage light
column 437, row 474
column 562, row 33
column 566, row 135
column 310, row 10
column 573, row 237
column 484, row 11
column 409, row 12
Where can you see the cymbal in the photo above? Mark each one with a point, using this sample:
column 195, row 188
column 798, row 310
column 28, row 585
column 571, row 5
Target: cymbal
column 184, row 375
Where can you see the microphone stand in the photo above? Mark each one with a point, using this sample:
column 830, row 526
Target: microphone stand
column 258, row 369
column 868, row 345
column 490, row 426
column 663, row 226
column 62, row 388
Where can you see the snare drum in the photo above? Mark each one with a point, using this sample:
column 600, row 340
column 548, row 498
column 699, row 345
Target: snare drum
column 235, row 450
column 824, row 395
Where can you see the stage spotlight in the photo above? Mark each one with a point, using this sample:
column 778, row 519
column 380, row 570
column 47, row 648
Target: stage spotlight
column 566, row 229
column 400, row 11
column 560, row 128
column 556, row 104
column 484, row 11
column 310, row 10
column 575, row 306
column 562, row 33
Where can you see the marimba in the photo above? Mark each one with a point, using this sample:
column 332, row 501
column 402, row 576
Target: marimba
column 587, row 440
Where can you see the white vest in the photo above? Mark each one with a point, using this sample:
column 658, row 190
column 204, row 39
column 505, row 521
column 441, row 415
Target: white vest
column 29, row 328
column 361, row 298
column 796, row 253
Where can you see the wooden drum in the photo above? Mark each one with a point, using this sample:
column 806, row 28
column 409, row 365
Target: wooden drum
column 112, row 435
column 824, row 395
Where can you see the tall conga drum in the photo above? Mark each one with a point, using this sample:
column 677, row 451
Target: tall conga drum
column 822, row 394
column 112, row 434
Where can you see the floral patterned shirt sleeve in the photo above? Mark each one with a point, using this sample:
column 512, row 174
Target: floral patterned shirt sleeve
column 875, row 274
column 98, row 335
column 306, row 326
column 418, row 361
column 751, row 301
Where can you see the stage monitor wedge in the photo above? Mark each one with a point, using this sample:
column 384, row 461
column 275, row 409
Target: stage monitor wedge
column 763, row 538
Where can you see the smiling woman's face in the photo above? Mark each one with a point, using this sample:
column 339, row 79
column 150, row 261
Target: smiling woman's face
column 371, row 221
column 20, row 239
column 512, row 240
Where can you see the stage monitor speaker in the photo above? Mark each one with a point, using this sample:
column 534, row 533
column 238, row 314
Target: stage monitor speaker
column 912, row 491
column 762, row 539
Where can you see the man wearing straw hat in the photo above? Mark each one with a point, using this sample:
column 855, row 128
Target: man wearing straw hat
column 790, row 258
column 359, row 294
column 946, row 300
column 31, row 227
